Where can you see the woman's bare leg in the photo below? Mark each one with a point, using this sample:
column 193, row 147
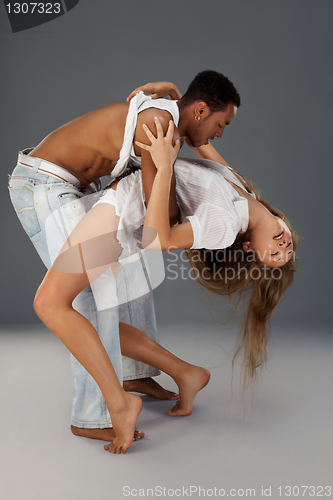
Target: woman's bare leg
column 189, row 378
column 53, row 304
column 82, row 340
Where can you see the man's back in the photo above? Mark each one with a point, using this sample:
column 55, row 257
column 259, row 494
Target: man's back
column 88, row 146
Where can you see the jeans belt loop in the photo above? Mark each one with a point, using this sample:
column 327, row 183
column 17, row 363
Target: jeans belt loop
column 37, row 162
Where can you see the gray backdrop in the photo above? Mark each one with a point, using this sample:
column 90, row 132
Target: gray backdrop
column 277, row 53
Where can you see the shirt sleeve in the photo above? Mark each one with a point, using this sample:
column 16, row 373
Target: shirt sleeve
column 212, row 227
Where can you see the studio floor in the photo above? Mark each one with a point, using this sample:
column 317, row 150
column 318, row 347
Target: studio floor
column 282, row 440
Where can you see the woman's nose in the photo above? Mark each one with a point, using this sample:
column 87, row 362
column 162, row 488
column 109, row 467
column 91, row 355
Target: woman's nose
column 283, row 243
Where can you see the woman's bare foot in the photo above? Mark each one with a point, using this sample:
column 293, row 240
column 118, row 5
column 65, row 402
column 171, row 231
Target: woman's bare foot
column 106, row 434
column 124, row 420
column 190, row 382
column 150, row 387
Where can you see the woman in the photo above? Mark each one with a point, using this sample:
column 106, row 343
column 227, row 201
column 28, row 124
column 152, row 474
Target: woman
column 242, row 222
column 238, row 242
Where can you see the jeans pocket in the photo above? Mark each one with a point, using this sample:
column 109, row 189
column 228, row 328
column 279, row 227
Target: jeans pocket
column 22, row 197
column 72, row 210
column 71, row 205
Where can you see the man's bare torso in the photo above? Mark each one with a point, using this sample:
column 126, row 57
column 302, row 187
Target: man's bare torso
column 88, row 146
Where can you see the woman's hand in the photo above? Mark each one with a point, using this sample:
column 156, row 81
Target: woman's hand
column 157, row 220
column 157, row 90
column 161, row 149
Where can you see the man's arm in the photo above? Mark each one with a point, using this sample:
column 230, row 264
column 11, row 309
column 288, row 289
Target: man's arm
column 147, row 164
column 208, row 152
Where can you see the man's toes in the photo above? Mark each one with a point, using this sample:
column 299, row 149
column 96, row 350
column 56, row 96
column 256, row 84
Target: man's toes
column 165, row 394
column 173, row 396
column 138, row 435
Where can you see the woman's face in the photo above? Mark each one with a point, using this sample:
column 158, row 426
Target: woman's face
column 271, row 242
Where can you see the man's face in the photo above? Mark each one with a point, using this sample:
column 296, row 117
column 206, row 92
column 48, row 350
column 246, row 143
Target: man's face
column 210, row 125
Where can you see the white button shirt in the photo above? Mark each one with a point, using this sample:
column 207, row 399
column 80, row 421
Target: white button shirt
column 216, row 211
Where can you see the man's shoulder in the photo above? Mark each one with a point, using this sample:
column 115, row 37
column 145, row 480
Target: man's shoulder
column 147, row 116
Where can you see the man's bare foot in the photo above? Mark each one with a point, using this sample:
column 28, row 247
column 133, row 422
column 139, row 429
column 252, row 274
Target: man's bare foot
column 124, row 420
column 150, row 387
column 190, row 382
column 106, row 434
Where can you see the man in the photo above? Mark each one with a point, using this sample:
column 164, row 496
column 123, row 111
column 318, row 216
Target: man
column 67, row 165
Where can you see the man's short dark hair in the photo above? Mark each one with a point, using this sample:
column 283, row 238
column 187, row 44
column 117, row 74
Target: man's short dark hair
column 213, row 88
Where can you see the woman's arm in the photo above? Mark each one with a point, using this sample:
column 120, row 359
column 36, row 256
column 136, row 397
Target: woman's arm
column 157, row 90
column 157, row 215
column 148, row 167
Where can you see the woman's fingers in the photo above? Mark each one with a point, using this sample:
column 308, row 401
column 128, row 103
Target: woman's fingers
column 160, row 134
column 170, row 131
column 142, row 145
column 169, row 134
column 177, row 147
column 156, row 90
column 149, row 133
column 148, row 87
column 159, row 129
column 136, row 91
column 162, row 145
column 132, row 94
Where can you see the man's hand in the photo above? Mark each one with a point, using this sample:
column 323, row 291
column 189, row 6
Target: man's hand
column 158, row 90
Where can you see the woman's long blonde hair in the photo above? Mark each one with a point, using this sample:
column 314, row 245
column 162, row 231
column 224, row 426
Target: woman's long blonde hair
column 232, row 271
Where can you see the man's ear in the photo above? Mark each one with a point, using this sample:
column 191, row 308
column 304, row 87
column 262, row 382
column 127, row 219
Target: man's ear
column 247, row 246
column 201, row 109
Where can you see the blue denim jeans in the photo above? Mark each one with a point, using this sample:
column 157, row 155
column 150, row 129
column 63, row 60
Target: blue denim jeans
column 35, row 196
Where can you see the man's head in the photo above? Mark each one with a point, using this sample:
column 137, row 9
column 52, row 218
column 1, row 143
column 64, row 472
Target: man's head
column 209, row 104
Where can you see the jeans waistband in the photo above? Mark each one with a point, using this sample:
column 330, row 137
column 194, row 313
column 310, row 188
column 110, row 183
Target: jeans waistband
column 48, row 168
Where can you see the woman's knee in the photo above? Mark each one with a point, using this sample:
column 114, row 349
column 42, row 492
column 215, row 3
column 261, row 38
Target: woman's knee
column 44, row 304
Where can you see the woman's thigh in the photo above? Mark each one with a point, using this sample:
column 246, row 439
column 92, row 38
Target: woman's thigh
column 89, row 251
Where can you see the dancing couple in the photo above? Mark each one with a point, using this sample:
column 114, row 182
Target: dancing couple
column 92, row 258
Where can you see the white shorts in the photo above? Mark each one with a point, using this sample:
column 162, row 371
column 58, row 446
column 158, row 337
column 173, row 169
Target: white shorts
column 108, row 196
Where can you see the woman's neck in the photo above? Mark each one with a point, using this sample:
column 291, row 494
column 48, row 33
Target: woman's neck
column 258, row 213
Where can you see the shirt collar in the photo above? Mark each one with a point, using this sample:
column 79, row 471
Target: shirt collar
column 242, row 208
